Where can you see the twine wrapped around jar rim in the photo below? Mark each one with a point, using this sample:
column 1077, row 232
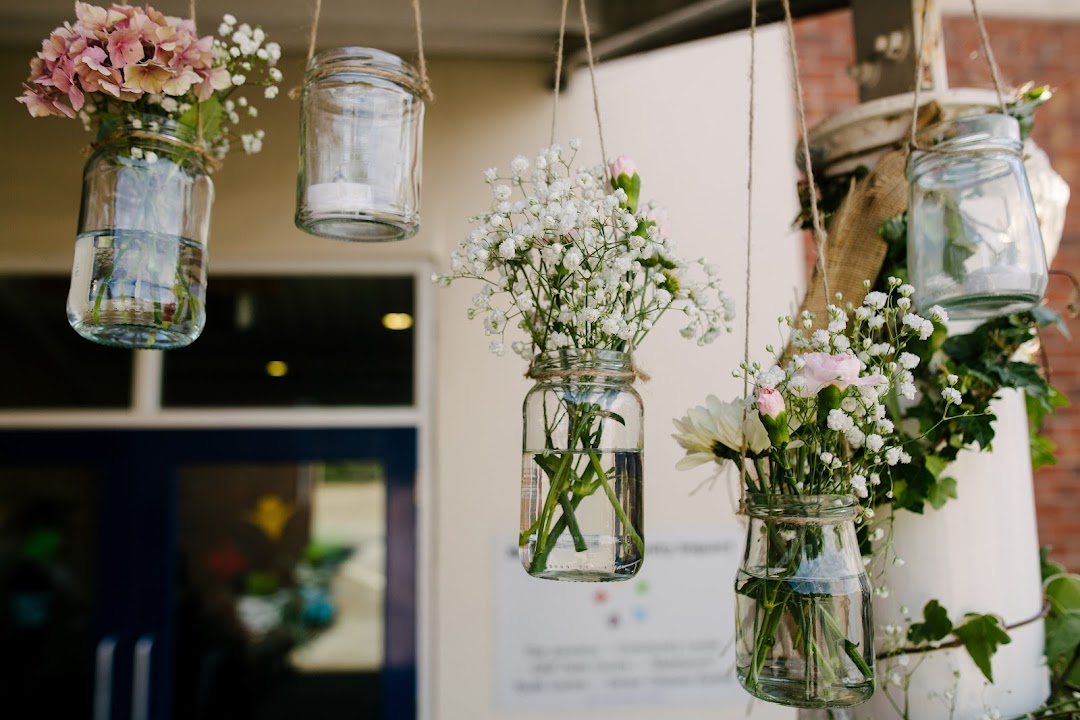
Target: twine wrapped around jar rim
column 212, row 163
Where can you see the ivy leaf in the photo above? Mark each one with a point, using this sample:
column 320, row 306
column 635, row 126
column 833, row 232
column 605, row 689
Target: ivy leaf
column 936, row 625
column 982, row 635
column 911, row 485
column 1062, row 635
column 1042, row 452
column 1063, row 592
column 941, row 491
column 1048, row 567
column 1045, row 317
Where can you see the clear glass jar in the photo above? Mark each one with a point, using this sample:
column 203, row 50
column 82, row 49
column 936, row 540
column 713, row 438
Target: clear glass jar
column 581, row 482
column 974, row 245
column 804, row 621
column 361, row 133
column 139, row 275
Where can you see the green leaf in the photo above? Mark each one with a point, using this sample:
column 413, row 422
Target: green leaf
column 1048, row 567
column 1042, row 452
column 935, row 626
column 911, row 485
column 982, row 635
column 941, row 491
column 1062, row 591
column 1062, row 635
column 210, row 112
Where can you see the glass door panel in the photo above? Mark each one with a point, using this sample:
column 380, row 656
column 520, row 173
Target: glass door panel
column 281, row 595
column 48, row 568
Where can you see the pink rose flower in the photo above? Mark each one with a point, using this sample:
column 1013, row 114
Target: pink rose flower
column 622, row 166
column 821, row 369
column 770, row 403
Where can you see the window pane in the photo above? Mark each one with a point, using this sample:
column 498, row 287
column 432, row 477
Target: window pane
column 282, row 611
column 45, row 363
column 308, row 341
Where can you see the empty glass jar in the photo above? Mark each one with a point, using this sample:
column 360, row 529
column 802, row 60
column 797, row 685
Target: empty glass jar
column 974, row 245
column 361, row 124
column 581, row 484
column 804, row 633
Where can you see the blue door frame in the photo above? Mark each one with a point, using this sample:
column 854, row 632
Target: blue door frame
column 138, row 544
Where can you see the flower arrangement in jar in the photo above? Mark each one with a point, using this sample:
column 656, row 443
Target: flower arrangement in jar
column 165, row 105
column 571, row 257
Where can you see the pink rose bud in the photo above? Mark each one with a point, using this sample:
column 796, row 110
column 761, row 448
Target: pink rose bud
column 623, row 166
column 770, row 403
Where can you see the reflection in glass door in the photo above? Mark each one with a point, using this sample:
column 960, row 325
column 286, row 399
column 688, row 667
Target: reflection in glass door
column 241, row 574
column 281, row 603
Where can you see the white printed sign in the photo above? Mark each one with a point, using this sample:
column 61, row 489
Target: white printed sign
column 664, row 637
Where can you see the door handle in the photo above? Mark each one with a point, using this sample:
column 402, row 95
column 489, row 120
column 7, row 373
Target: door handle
column 103, row 677
column 140, row 685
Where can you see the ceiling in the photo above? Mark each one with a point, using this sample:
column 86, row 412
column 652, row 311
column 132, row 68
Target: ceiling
column 458, row 28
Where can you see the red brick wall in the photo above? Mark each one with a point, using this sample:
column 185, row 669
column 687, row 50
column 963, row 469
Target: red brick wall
column 1046, row 53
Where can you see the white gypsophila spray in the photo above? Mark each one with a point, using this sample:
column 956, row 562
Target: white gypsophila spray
column 568, row 256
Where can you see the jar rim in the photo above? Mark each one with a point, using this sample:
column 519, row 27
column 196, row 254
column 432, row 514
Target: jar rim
column 363, row 59
column 119, row 124
column 992, row 129
column 831, row 506
column 582, row 358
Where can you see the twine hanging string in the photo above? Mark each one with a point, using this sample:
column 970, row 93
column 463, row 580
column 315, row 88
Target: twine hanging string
column 984, row 40
column 995, row 74
column 749, row 246
column 558, row 70
column 314, row 35
column 425, row 84
column 820, row 238
column 634, row 372
column 592, row 78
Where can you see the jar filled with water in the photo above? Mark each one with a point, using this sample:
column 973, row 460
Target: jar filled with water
column 581, row 485
column 804, row 623
column 139, row 275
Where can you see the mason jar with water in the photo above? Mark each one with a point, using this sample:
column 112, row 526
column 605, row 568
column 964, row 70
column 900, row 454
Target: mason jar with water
column 581, row 486
column 974, row 245
column 139, row 275
column 804, row 633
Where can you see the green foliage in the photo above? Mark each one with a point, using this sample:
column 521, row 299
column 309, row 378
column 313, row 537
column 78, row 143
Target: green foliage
column 981, row 635
column 1062, row 593
column 936, row 625
column 1047, row 567
column 983, row 362
column 1023, row 108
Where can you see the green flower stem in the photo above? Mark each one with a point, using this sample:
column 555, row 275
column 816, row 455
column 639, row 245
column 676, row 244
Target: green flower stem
column 760, row 471
column 571, row 523
column 850, row 648
column 766, row 635
column 638, row 542
column 554, row 493
column 539, row 561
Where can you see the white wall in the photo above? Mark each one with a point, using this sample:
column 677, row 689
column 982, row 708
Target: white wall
column 681, row 114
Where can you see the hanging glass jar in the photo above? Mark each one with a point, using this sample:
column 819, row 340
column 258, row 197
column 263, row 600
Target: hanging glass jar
column 361, row 123
column 804, row 625
column 581, row 484
column 974, row 245
column 139, row 275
